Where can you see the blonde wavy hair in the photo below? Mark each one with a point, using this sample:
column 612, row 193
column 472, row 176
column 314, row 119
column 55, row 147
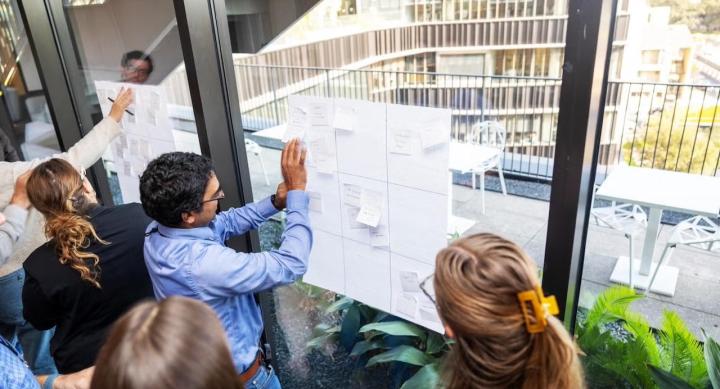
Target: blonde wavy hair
column 477, row 281
column 55, row 189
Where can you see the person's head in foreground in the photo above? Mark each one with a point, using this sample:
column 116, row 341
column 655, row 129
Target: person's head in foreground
column 180, row 190
column 481, row 284
column 175, row 343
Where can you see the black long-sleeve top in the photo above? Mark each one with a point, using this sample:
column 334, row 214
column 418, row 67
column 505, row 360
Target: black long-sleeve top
column 54, row 295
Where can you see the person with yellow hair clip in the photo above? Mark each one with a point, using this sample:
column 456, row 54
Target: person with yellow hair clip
column 489, row 298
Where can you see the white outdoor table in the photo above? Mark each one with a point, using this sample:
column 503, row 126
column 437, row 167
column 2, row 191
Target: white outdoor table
column 658, row 190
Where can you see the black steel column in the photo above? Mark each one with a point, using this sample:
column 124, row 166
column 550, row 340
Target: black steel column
column 584, row 84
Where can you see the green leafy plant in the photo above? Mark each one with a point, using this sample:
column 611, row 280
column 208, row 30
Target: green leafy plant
column 621, row 350
column 412, row 353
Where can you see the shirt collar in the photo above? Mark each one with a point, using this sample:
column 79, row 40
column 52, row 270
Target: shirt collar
column 197, row 233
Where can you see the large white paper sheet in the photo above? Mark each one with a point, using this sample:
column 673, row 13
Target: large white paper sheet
column 367, row 274
column 146, row 134
column 408, row 300
column 326, row 268
column 362, row 151
column 410, row 162
column 382, row 195
column 418, row 222
column 326, row 187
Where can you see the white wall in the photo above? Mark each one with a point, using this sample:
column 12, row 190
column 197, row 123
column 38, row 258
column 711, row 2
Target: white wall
column 105, row 32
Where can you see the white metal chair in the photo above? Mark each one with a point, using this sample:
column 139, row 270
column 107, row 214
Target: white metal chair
column 698, row 231
column 256, row 150
column 489, row 136
column 630, row 219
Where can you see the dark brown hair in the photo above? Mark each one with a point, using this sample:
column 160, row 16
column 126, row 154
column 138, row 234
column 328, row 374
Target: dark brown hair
column 477, row 281
column 176, row 343
column 55, row 189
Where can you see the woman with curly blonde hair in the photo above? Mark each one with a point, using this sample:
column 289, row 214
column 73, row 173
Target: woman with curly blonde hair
column 89, row 272
column 489, row 298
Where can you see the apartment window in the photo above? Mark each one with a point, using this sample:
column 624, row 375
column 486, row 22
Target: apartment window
column 649, row 76
column 650, row 57
column 347, row 7
column 471, row 64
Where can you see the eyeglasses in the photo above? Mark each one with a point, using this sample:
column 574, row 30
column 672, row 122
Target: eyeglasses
column 219, row 197
column 428, row 288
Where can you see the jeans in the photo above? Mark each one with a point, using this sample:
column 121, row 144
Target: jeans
column 13, row 327
column 265, row 378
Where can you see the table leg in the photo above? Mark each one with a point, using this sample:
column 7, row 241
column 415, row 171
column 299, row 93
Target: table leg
column 650, row 240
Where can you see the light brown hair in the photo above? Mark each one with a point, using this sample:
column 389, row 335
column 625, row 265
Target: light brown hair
column 55, row 189
column 477, row 281
column 176, row 343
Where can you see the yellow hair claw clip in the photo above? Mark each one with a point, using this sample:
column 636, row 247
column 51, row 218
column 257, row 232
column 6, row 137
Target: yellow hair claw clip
column 542, row 306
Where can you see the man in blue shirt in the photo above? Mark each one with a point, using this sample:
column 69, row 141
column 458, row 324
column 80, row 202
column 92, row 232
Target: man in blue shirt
column 186, row 255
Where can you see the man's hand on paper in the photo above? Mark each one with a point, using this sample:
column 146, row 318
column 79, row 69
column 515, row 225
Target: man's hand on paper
column 122, row 101
column 281, row 197
column 292, row 163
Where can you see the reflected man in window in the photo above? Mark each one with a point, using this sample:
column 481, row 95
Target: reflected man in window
column 136, row 67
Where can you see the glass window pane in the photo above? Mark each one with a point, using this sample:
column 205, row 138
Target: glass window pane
column 503, row 101
column 649, row 282
column 134, row 44
column 28, row 131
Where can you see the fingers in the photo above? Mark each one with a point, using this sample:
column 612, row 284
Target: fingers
column 284, row 155
column 303, row 155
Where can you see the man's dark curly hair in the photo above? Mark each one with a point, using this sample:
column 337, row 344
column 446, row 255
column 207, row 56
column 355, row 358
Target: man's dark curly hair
column 174, row 183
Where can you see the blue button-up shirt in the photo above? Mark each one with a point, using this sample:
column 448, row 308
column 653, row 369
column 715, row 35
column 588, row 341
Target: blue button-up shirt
column 14, row 373
column 194, row 262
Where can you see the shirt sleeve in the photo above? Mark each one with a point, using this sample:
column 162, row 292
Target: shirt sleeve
column 37, row 309
column 84, row 153
column 237, row 221
column 223, row 272
column 11, row 230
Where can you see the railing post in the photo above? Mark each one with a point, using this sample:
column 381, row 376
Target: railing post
column 275, row 100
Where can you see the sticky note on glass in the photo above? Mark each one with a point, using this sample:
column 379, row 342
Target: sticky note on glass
column 429, row 313
column 401, row 142
column 379, row 236
column 369, row 215
column 410, row 282
column 433, row 136
column 344, row 119
column 352, row 195
column 371, row 208
column 318, row 114
column 293, row 131
column 352, row 213
column 315, row 204
column 407, row 304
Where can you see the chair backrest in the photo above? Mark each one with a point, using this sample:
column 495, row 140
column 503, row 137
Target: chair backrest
column 488, row 133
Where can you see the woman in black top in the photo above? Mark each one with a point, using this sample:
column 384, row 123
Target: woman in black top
column 92, row 269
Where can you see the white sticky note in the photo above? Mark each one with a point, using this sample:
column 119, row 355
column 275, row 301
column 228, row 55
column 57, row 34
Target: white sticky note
column 127, row 169
column 379, row 236
column 352, row 195
column 407, row 305
column 433, row 136
column 318, row 114
column 410, row 282
column 293, row 131
column 315, row 203
column 352, row 213
column 401, row 142
column 369, row 215
column 371, row 209
column 429, row 313
column 344, row 119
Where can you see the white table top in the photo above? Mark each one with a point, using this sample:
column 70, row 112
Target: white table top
column 683, row 192
column 276, row 132
column 464, row 156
